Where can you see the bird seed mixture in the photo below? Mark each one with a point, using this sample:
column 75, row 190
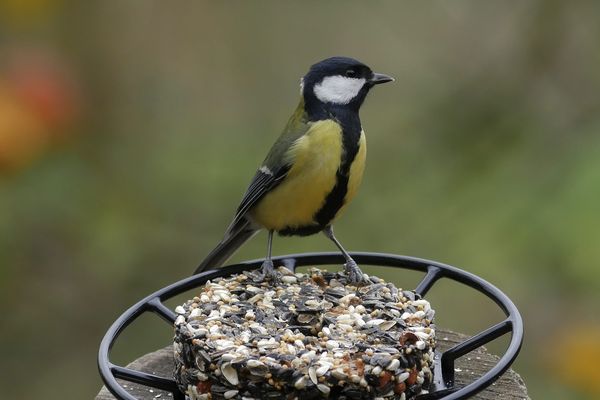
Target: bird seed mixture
column 308, row 336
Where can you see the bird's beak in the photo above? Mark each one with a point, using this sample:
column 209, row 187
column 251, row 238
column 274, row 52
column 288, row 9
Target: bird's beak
column 380, row 78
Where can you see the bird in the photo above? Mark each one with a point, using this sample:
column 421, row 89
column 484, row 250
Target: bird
column 314, row 168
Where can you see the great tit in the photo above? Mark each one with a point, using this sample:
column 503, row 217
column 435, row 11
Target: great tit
column 313, row 170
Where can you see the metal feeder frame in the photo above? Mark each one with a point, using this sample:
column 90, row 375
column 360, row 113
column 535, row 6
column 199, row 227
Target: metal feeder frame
column 442, row 386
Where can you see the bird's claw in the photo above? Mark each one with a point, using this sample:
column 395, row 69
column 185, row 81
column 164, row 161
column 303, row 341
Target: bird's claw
column 267, row 272
column 355, row 274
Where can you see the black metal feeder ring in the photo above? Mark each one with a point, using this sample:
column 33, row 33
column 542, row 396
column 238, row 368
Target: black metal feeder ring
column 443, row 384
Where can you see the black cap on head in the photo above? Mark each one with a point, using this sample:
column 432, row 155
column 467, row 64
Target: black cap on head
column 344, row 66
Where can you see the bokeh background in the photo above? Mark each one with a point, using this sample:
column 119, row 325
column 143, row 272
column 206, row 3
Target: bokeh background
column 129, row 131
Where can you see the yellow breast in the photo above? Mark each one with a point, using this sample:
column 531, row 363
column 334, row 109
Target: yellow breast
column 315, row 159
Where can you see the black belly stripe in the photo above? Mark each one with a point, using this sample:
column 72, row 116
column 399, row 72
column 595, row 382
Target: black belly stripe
column 334, row 201
column 336, row 198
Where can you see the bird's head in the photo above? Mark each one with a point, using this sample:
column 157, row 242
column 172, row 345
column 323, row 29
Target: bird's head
column 340, row 81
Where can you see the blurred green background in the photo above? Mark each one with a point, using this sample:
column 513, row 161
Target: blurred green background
column 129, row 131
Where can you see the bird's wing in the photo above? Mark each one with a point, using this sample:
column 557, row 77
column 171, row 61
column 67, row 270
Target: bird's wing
column 240, row 230
column 264, row 181
column 274, row 168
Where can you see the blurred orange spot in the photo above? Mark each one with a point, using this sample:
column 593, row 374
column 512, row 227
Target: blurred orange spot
column 574, row 357
column 39, row 102
column 46, row 88
column 22, row 135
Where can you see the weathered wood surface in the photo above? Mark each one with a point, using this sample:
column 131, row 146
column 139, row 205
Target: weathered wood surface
column 510, row 386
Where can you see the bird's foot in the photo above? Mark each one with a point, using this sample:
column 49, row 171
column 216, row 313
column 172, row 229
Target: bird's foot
column 355, row 274
column 267, row 272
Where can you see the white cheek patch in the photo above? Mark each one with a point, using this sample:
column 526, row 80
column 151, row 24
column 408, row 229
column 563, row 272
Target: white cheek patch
column 338, row 89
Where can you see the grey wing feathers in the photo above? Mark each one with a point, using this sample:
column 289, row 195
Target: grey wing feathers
column 260, row 185
column 241, row 230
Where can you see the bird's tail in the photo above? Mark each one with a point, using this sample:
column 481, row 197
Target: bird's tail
column 225, row 249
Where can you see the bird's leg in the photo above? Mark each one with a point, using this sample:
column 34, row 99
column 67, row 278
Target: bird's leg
column 267, row 270
column 355, row 275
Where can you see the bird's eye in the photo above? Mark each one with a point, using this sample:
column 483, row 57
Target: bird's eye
column 351, row 73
